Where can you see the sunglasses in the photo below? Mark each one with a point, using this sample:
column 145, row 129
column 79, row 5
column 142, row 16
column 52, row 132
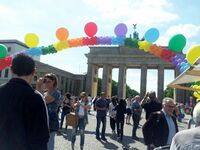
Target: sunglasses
column 47, row 81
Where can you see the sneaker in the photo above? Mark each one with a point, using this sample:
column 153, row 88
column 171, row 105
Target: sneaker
column 135, row 137
column 98, row 138
column 81, row 147
column 104, row 139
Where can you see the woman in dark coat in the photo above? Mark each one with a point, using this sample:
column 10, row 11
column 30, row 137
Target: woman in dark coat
column 121, row 110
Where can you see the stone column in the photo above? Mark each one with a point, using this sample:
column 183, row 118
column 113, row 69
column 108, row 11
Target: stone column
column 107, row 80
column 143, row 81
column 64, row 86
column 81, row 84
column 68, row 84
column 160, row 90
column 92, row 79
column 72, row 86
column 122, row 81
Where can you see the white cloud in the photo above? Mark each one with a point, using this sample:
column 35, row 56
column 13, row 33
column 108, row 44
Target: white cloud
column 143, row 12
column 188, row 30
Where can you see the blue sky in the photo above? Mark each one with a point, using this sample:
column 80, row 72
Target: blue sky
column 43, row 17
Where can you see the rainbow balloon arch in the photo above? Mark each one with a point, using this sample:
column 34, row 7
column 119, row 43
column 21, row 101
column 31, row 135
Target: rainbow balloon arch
column 171, row 54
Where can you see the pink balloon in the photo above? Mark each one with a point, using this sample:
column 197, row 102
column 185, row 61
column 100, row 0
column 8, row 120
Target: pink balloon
column 90, row 29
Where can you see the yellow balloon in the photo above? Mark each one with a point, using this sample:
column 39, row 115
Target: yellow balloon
column 193, row 53
column 195, row 94
column 144, row 45
column 59, row 46
column 195, row 86
column 31, row 40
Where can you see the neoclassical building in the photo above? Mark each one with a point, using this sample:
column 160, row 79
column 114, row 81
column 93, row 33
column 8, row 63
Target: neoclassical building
column 124, row 58
column 67, row 82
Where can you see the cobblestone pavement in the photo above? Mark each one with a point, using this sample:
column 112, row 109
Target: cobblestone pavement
column 63, row 140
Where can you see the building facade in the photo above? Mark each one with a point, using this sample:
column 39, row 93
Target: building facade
column 67, row 82
column 125, row 58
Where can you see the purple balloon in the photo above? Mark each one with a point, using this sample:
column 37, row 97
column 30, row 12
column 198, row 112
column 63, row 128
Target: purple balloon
column 121, row 29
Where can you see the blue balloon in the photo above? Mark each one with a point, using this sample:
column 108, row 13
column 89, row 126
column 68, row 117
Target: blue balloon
column 151, row 35
column 118, row 41
column 36, row 51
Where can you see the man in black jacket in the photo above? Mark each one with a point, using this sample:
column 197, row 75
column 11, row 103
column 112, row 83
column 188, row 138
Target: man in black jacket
column 161, row 126
column 23, row 124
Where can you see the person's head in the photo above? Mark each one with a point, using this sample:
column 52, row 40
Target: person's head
column 168, row 105
column 83, row 96
column 103, row 95
column 50, row 80
column 122, row 102
column 196, row 114
column 114, row 100
column 152, row 95
column 68, row 95
column 23, row 65
column 137, row 98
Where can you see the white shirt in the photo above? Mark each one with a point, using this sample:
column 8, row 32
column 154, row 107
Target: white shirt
column 171, row 126
column 81, row 111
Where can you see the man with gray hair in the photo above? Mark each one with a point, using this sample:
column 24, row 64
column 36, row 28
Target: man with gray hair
column 188, row 139
column 161, row 126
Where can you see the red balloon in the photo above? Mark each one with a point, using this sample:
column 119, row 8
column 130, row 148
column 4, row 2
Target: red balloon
column 90, row 41
column 5, row 62
column 90, row 29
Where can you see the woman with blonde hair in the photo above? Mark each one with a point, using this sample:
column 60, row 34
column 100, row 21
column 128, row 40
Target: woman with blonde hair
column 52, row 99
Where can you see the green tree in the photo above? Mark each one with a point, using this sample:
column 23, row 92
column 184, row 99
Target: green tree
column 114, row 88
column 129, row 91
column 169, row 92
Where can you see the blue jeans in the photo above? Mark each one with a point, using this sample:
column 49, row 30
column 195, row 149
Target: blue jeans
column 64, row 113
column 51, row 141
column 136, row 120
column 99, row 120
column 81, row 126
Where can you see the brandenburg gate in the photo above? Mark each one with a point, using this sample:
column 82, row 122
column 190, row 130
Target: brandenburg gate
column 123, row 58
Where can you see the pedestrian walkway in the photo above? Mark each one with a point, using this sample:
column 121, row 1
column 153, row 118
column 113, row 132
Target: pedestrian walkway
column 63, row 141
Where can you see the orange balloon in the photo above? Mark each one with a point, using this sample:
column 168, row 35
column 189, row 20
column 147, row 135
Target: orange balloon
column 62, row 33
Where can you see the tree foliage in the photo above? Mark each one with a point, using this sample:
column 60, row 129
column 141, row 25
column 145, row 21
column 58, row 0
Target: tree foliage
column 169, row 92
column 129, row 91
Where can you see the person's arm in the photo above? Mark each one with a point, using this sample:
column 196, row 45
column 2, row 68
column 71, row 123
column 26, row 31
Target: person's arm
column 99, row 108
column 50, row 97
column 86, row 106
column 144, row 100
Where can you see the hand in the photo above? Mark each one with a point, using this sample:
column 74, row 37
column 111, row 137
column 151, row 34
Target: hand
column 40, row 82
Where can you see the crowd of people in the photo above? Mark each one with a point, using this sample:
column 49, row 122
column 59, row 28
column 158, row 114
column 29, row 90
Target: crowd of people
column 30, row 117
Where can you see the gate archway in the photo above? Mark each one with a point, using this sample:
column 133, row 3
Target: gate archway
column 123, row 58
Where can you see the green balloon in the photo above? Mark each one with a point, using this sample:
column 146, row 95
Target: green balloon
column 177, row 43
column 3, row 51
